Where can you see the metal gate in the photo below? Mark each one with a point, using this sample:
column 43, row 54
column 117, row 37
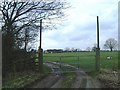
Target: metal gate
column 71, row 63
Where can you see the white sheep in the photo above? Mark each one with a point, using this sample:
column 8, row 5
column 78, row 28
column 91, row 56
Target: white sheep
column 109, row 57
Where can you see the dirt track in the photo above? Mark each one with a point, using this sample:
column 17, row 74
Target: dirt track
column 85, row 81
column 55, row 79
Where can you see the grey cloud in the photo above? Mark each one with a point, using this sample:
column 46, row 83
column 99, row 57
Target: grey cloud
column 90, row 26
column 107, row 25
column 78, row 38
column 83, row 34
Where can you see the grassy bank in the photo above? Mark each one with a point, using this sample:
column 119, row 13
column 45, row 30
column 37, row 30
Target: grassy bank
column 24, row 78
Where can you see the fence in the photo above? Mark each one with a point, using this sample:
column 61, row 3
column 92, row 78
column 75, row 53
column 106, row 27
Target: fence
column 72, row 63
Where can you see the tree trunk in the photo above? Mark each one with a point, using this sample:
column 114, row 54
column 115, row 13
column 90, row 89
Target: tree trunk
column 111, row 49
column 25, row 48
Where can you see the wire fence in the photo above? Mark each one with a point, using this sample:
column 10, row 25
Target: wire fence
column 72, row 63
column 86, row 61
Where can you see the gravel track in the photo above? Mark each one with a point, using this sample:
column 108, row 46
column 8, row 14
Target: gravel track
column 55, row 78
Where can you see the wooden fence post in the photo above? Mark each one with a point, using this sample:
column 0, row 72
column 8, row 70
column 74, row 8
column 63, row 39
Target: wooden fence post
column 40, row 58
column 78, row 62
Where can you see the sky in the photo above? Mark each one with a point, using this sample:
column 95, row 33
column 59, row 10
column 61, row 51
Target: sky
column 79, row 28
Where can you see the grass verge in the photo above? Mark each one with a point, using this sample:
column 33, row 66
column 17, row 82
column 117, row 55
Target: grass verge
column 68, row 80
column 109, row 78
column 25, row 79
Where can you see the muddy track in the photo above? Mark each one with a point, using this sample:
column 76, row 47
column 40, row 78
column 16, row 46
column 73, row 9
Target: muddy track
column 47, row 81
column 55, row 78
column 50, row 80
column 85, row 81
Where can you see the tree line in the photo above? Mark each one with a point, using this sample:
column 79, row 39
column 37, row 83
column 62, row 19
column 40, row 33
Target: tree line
column 110, row 45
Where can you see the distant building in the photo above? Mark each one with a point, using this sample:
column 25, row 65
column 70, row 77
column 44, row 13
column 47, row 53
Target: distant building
column 54, row 51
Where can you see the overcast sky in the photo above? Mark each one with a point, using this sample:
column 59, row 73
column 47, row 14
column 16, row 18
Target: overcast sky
column 79, row 29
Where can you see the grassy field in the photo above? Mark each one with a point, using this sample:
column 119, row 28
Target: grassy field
column 85, row 60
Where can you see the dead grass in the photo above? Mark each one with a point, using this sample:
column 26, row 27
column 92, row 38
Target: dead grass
column 109, row 78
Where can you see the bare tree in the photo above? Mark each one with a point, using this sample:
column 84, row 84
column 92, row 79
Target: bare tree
column 26, row 36
column 88, row 49
column 30, row 13
column 111, row 44
column 14, row 13
column 72, row 49
column 94, row 47
column 67, row 49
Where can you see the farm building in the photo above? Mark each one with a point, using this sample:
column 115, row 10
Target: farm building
column 54, row 51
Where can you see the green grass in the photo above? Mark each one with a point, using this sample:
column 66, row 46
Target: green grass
column 68, row 80
column 85, row 60
column 20, row 81
column 25, row 78
column 109, row 64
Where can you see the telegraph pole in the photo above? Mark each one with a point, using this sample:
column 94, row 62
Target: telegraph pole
column 98, row 48
column 40, row 32
column 40, row 51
